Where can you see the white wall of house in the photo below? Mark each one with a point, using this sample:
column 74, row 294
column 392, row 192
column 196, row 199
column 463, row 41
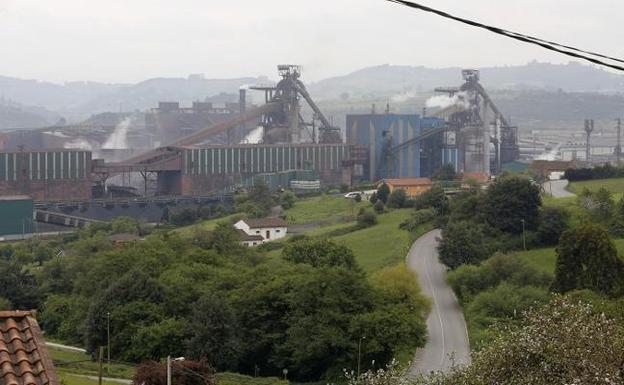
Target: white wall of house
column 267, row 233
column 251, row 243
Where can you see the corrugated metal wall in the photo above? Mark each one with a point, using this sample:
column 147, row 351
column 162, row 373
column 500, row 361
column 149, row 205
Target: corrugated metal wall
column 45, row 165
column 17, row 216
column 263, row 158
column 373, row 130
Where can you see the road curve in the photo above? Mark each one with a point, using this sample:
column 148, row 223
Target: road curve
column 557, row 188
column 447, row 342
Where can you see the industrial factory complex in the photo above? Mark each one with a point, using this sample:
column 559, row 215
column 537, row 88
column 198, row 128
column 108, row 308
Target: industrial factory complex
column 204, row 150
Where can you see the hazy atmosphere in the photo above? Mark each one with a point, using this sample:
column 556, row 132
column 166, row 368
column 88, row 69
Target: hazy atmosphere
column 311, row 192
column 129, row 41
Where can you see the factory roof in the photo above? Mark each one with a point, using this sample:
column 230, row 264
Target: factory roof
column 249, row 237
column 480, row 177
column 408, row 181
column 24, row 359
column 256, row 223
column 15, row 198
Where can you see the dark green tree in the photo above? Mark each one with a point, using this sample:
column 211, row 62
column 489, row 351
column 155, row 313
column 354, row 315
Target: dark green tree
column 366, row 218
column 397, row 199
column 215, row 333
column 553, row 221
column 225, row 240
column 446, row 173
column 287, row 200
column 433, row 198
column 604, row 204
column 379, row 207
column 510, row 201
column 19, row 286
column 373, row 198
column 133, row 300
column 383, row 192
column 320, row 253
column 462, row 243
column 587, row 259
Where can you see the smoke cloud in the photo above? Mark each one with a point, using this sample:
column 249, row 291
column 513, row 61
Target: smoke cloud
column 119, row 138
column 254, row 136
column 443, row 101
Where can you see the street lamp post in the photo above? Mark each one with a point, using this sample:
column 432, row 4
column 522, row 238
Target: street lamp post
column 523, row 235
column 359, row 354
column 108, row 342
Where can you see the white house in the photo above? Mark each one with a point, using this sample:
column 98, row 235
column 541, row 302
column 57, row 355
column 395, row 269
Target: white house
column 267, row 229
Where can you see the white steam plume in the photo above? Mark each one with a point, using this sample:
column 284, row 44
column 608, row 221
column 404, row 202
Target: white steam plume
column 119, row 138
column 254, row 136
column 443, row 101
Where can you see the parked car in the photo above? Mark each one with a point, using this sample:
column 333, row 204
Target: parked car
column 353, row 194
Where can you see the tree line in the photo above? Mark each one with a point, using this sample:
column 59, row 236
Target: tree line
column 204, row 296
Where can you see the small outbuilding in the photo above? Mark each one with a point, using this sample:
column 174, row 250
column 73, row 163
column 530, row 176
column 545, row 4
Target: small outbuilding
column 268, row 229
column 411, row 186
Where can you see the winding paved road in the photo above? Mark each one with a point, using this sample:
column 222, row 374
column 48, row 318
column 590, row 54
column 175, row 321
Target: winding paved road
column 447, row 342
column 557, row 188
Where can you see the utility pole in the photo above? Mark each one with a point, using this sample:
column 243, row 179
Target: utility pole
column 168, row 370
column 589, row 128
column 359, row 354
column 108, row 341
column 618, row 148
column 100, row 360
column 523, row 236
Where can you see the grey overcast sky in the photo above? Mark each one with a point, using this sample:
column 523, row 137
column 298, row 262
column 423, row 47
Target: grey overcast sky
column 132, row 40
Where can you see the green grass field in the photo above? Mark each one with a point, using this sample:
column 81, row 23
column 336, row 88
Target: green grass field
column 545, row 259
column 615, row 185
column 324, row 209
column 77, row 379
column 383, row 244
column 207, row 225
column 80, row 363
column 74, row 374
column 541, row 259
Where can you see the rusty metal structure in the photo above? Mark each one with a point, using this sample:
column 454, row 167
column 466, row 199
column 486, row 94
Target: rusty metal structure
column 478, row 122
column 285, row 124
column 196, row 164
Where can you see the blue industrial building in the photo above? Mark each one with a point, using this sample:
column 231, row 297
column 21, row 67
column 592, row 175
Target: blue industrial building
column 394, row 148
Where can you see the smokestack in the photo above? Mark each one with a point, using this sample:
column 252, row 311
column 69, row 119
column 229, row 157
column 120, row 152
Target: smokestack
column 242, row 100
column 242, row 107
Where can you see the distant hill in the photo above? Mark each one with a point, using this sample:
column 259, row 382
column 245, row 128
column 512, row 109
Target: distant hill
column 525, row 90
column 81, row 99
column 14, row 115
column 387, row 80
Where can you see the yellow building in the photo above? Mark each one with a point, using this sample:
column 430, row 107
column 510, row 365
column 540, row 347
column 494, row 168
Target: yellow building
column 411, row 186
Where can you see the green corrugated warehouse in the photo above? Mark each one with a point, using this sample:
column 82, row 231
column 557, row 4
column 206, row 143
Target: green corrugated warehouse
column 16, row 214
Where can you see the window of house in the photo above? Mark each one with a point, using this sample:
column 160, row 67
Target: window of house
column 257, row 231
column 277, row 231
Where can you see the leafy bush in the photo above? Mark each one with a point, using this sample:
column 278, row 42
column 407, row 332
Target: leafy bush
column 366, row 219
column 462, row 243
column 511, row 205
column 397, row 199
column 383, row 192
column 563, row 342
column 418, row 218
column 553, row 221
column 379, row 207
column 319, row 253
column 588, row 259
column 287, row 200
column 469, row 280
column 433, row 198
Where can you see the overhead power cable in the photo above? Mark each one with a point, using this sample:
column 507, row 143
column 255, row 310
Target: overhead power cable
column 550, row 45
